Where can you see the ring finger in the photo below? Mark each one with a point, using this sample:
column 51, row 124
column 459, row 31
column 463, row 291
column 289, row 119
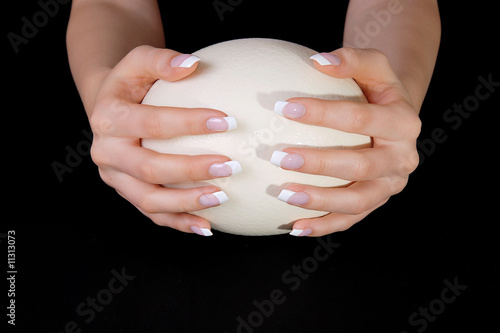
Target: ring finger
column 353, row 200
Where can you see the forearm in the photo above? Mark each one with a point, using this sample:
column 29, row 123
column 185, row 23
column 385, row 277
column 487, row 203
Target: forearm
column 407, row 31
column 100, row 33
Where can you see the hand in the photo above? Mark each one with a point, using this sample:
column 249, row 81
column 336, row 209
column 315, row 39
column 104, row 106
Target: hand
column 119, row 121
column 378, row 172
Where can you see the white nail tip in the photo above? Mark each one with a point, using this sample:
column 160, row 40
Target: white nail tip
column 278, row 107
column 285, row 195
column 296, row 232
column 277, row 157
column 188, row 62
column 206, row 232
column 231, row 123
column 235, row 166
column 221, row 196
column 320, row 59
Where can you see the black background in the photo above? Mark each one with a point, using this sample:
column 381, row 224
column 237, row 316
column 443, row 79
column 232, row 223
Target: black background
column 71, row 234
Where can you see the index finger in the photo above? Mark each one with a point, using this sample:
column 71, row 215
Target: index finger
column 355, row 117
column 125, row 119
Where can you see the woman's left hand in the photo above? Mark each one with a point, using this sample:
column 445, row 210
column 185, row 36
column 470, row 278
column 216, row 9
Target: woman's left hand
column 376, row 173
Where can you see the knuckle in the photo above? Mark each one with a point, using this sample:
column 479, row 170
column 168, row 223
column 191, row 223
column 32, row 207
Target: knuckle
column 343, row 225
column 119, row 109
column 100, row 122
column 408, row 160
column 184, row 206
column 397, row 185
column 412, row 124
column 105, row 177
column 350, row 53
column 193, row 170
column 358, row 119
column 382, row 58
column 320, row 166
column 359, row 204
column 153, row 125
column 147, row 172
column 147, row 204
column 361, row 168
column 192, row 125
column 412, row 162
column 152, row 58
column 97, row 155
column 320, row 114
column 138, row 52
column 415, row 126
column 158, row 219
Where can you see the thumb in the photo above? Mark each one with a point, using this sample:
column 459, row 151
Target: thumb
column 369, row 67
column 150, row 64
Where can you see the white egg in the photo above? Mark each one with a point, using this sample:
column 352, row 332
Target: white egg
column 245, row 78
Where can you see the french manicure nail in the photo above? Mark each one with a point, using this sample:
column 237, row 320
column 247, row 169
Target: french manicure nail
column 225, row 169
column 300, row 232
column 220, row 124
column 286, row 160
column 213, row 199
column 184, row 61
column 201, row 231
column 326, row 59
column 291, row 110
column 294, row 198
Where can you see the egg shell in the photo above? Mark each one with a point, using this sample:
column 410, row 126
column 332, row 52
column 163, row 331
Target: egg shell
column 245, row 78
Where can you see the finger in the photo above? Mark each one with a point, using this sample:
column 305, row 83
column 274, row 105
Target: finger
column 154, row 199
column 150, row 204
column 327, row 224
column 353, row 200
column 353, row 165
column 134, row 75
column 369, row 67
column 354, row 117
column 126, row 119
column 181, row 221
column 157, row 168
column 150, row 63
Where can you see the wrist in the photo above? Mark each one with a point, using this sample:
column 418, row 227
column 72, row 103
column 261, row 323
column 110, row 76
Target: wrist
column 90, row 85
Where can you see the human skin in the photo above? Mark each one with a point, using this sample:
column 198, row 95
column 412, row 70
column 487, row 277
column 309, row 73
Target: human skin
column 116, row 52
column 394, row 74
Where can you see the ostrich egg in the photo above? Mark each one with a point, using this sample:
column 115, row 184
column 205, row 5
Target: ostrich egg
column 245, row 78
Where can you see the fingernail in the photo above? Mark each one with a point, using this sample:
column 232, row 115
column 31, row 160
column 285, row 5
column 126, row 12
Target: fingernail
column 220, row 124
column 225, row 169
column 300, row 232
column 213, row 199
column 184, row 61
column 294, row 198
column 201, row 231
column 286, row 160
column 326, row 59
column 291, row 110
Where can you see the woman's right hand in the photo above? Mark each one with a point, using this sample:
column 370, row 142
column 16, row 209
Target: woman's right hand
column 119, row 122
